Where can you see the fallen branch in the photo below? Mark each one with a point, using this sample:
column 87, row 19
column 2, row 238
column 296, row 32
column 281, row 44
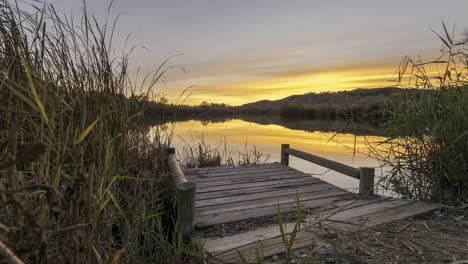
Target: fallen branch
column 10, row 257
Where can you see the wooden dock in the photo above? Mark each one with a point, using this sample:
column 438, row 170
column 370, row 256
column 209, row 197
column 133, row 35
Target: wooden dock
column 225, row 198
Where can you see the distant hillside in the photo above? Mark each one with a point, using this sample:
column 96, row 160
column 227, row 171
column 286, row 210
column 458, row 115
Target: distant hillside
column 359, row 105
column 332, row 98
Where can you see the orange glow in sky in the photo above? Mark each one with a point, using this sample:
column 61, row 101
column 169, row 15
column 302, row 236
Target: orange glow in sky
column 280, row 86
column 237, row 52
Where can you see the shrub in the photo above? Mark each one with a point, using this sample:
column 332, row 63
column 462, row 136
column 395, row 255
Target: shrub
column 428, row 147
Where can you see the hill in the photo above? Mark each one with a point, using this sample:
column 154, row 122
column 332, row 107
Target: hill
column 333, row 98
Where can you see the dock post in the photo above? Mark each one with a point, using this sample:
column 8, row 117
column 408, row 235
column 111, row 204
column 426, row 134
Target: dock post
column 185, row 196
column 284, row 154
column 366, row 181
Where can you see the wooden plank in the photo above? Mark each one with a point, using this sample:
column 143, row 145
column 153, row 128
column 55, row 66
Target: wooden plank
column 217, row 244
column 346, row 205
column 254, row 184
column 271, row 243
column 253, row 190
column 249, row 175
column 266, row 178
column 226, row 247
column 238, row 173
column 330, row 164
column 258, row 195
column 265, row 211
column 265, row 202
column 369, row 209
column 225, row 167
column 267, row 247
column 393, row 214
column 221, row 169
column 224, row 244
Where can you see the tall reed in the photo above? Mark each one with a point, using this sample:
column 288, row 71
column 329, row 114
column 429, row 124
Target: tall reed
column 428, row 147
column 78, row 168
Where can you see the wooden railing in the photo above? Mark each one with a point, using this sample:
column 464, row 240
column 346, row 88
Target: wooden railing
column 365, row 175
column 185, row 195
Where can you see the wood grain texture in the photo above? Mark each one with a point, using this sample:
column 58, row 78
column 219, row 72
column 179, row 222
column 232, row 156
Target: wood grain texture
column 228, row 195
column 267, row 240
column 228, row 217
column 254, row 189
column 255, row 184
column 302, row 189
column 330, row 164
column 247, row 175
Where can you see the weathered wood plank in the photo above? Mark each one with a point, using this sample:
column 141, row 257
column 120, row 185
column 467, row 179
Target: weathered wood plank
column 265, row 202
column 223, row 167
column 216, row 246
column 267, row 247
column 253, row 190
column 265, row 211
column 340, row 206
column 393, row 214
column 220, row 169
column 249, row 175
column 330, row 164
column 238, row 173
column 268, row 194
column 369, row 209
column 266, row 178
column 272, row 243
column 253, row 184
column 221, row 244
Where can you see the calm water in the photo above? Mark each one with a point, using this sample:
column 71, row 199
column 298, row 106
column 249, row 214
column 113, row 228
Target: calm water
column 239, row 134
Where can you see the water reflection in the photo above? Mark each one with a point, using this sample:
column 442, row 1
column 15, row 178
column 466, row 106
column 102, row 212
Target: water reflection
column 347, row 148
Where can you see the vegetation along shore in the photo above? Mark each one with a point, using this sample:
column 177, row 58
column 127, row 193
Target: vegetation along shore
column 80, row 172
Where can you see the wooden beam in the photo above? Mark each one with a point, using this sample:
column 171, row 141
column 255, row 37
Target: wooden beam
column 186, row 216
column 185, row 195
column 284, row 154
column 366, row 181
column 177, row 174
column 330, row 164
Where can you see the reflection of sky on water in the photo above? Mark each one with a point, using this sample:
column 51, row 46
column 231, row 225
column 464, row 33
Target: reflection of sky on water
column 268, row 138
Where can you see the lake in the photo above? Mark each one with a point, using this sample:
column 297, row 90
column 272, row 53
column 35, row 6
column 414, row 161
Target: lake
column 235, row 136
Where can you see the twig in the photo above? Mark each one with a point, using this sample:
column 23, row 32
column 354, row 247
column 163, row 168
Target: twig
column 10, row 257
column 403, row 228
column 70, row 228
column 410, row 248
column 424, row 223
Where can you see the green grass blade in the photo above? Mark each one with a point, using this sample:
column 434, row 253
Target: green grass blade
column 21, row 96
column 282, row 231
column 39, row 104
column 86, row 132
column 297, row 226
column 242, row 258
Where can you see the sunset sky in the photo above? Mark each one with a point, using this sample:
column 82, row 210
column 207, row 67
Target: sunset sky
column 243, row 51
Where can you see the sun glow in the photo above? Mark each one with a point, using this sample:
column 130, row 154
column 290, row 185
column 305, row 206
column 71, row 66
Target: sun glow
column 280, row 86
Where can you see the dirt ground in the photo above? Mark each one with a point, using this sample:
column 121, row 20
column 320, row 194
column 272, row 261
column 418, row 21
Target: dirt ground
column 441, row 237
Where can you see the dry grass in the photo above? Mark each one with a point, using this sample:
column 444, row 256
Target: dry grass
column 78, row 169
column 428, row 128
